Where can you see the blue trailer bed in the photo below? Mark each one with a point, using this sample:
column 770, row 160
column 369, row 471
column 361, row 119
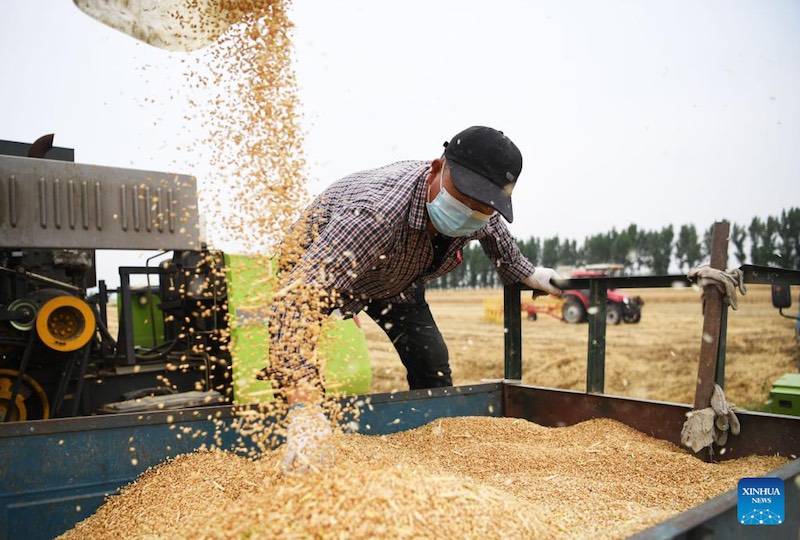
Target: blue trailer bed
column 57, row 472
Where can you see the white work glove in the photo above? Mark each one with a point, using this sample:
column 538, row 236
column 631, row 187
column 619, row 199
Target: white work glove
column 309, row 445
column 540, row 281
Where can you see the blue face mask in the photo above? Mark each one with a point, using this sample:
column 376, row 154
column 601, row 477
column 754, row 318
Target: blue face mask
column 451, row 217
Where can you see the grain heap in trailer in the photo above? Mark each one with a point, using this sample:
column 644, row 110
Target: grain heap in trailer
column 86, row 413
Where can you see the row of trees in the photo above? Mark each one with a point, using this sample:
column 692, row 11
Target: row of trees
column 774, row 241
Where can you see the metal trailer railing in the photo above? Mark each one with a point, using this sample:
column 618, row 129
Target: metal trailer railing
column 596, row 342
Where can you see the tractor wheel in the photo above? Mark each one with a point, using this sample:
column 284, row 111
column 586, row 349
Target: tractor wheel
column 632, row 316
column 613, row 314
column 573, row 311
column 532, row 316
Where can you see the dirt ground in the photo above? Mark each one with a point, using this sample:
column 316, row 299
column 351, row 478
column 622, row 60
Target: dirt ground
column 655, row 359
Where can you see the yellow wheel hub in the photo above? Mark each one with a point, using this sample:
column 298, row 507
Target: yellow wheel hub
column 30, row 403
column 65, row 323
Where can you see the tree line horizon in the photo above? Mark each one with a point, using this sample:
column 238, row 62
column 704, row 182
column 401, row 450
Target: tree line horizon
column 774, row 241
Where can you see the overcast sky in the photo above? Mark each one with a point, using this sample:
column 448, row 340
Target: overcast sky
column 649, row 112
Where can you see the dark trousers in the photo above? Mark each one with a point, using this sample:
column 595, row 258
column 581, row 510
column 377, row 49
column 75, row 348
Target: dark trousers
column 417, row 339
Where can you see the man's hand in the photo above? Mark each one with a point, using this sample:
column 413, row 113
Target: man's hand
column 540, row 281
column 308, row 440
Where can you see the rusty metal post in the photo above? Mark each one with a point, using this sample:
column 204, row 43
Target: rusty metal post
column 712, row 317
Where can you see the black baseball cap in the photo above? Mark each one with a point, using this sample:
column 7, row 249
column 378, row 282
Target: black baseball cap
column 485, row 165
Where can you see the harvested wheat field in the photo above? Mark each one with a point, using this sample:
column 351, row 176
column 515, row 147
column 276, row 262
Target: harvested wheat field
column 655, row 359
column 469, row 477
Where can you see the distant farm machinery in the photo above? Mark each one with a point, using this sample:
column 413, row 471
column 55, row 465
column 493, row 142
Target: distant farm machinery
column 549, row 306
column 574, row 306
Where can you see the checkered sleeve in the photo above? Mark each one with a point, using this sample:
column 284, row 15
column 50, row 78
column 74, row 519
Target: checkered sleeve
column 502, row 249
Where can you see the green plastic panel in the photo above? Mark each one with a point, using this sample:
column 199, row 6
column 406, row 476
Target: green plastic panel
column 148, row 320
column 343, row 347
column 785, row 395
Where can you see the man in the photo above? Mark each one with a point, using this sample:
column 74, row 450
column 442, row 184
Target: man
column 370, row 242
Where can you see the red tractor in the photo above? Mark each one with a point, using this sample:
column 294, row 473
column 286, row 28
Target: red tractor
column 620, row 307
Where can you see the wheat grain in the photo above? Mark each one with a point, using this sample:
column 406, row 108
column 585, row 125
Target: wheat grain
column 472, row 477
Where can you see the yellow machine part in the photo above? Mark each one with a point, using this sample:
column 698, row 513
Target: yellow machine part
column 30, row 394
column 65, row 323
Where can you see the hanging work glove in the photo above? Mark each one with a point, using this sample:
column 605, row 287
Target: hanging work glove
column 710, row 425
column 539, row 281
column 724, row 417
column 726, row 282
column 309, row 445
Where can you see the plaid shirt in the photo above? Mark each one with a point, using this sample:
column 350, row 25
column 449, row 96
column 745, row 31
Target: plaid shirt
column 365, row 237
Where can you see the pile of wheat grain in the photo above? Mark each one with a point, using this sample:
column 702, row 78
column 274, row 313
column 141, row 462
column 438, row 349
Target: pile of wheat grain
column 474, row 477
